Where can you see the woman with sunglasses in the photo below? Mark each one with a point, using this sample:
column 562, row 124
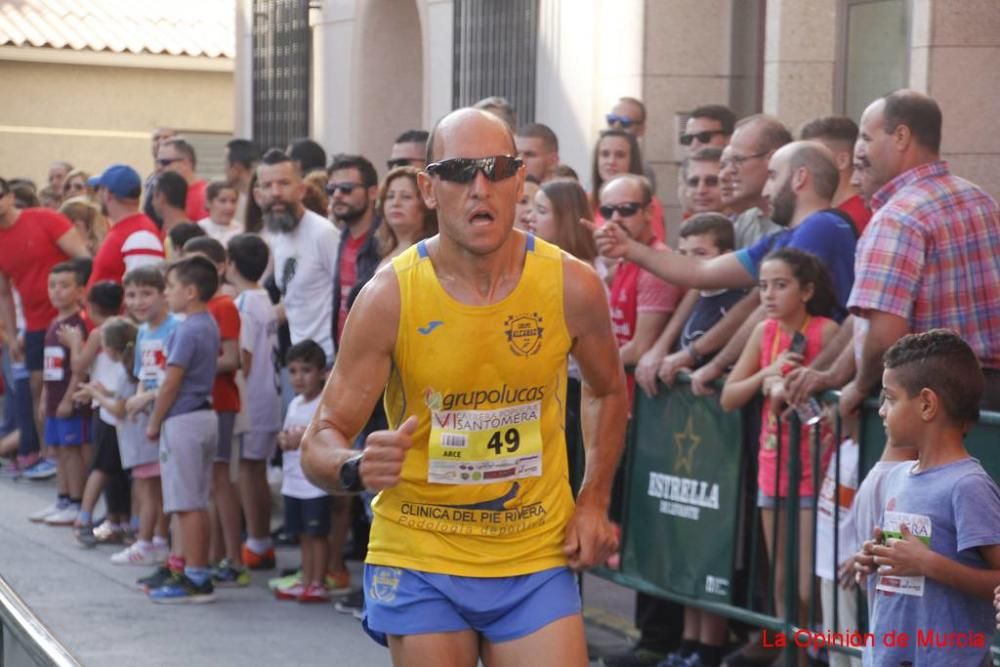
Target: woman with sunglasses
column 617, row 152
column 75, row 185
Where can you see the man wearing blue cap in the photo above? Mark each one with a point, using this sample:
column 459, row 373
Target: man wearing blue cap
column 133, row 240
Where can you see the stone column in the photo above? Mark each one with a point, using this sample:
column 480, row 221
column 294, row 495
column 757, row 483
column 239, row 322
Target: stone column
column 438, row 34
column 799, row 57
column 243, row 71
column 688, row 44
column 955, row 58
column 332, row 121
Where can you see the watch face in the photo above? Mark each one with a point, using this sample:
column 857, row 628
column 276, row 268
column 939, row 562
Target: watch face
column 350, row 480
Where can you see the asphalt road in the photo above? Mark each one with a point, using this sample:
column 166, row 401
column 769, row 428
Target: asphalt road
column 97, row 612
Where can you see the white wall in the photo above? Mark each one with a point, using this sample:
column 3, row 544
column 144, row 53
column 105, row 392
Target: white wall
column 590, row 53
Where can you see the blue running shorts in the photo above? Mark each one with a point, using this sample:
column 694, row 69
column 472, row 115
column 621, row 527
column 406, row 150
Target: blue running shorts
column 67, row 431
column 408, row 602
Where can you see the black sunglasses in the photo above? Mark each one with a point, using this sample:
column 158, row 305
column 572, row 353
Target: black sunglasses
column 710, row 181
column 346, row 188
column 626, row 210
column 399, row 162
column 463, row 169
column 167, row 161
column 702, row 137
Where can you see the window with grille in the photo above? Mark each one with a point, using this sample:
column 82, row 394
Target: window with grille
column 281, row 55
column 496, row 44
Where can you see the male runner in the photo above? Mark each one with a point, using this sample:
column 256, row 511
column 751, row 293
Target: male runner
column 468, row 334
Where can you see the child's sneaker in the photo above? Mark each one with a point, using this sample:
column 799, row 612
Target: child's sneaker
column 292, row 592
column 286, row 581
column 314, row 593
column 63, row 517
column 353, row 604
column 11, row 470
column 109, row 533
column 179, row 589
column 44, row 469
column 225, row 574
column 85, row 536
column 136, row 555
column 42, row 514
column 338, row 583
column 160, row 576
column 256, row 561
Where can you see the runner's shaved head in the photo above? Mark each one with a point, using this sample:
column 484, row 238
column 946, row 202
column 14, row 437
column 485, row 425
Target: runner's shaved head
column 461, row 128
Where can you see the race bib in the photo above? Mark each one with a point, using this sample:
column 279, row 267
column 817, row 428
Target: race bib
column 485, row 446
column 920, row 526
column 54, row 369
column 153, row 366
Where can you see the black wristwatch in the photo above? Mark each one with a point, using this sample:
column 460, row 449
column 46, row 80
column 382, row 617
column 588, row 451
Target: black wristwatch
column 350, row 475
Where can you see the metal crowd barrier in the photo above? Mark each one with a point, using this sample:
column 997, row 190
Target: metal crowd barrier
column 685, row 498
column 24, row 640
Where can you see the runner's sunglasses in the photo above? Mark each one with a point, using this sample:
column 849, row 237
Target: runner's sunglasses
column 463, row 169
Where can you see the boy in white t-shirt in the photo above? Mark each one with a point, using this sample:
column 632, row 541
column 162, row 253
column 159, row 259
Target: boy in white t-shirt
column 307, row 507
column 834, row 511
column 248, row 256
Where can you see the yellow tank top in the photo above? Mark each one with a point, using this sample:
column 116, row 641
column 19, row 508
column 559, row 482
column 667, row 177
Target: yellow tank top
column 485, row 488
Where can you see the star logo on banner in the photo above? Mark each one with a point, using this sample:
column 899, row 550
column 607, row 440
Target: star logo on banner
column 686, row 442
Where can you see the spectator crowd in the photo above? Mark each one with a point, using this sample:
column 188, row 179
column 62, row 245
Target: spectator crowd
column 140, row 313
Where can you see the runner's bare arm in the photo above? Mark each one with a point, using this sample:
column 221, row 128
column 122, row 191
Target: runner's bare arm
column 356, row 383
column 72, row 244
column 590, row 538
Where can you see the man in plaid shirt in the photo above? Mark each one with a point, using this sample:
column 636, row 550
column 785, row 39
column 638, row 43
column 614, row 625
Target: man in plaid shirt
column 928, row 258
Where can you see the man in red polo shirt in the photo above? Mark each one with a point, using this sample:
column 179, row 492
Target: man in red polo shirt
column 133, row 240
column 35, row 240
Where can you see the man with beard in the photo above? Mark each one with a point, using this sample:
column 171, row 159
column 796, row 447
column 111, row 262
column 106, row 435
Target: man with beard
column 305, row 250
column 801, row 180
column 352, row 185
column 133, row 239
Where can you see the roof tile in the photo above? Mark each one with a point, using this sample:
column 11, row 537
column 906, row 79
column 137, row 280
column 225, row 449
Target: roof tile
column 179, row 27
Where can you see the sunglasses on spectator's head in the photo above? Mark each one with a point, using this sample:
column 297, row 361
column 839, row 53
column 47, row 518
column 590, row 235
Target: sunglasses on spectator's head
column 614, row 119
column 710, row 181
column 463, row 169
column 346, row 188
column 167, row 161
column 398, row 162
column 702, row 137
column 626, row 210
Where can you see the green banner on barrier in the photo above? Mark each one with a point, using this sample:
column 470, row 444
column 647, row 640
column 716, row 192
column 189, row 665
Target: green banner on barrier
column 683, row 494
